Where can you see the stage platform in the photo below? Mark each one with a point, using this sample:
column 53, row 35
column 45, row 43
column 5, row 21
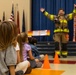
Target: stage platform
column 48, row 47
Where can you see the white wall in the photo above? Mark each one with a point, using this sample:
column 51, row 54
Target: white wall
column 6, row 5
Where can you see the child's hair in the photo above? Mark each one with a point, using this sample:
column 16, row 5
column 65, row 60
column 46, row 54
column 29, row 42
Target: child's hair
column 21, row 38
column 8, row 33
column 32, row 40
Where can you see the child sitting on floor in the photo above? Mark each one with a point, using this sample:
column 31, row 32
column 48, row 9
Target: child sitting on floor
column 8, row 58
column 21, row 65
column 26, row 51
column 35, row 52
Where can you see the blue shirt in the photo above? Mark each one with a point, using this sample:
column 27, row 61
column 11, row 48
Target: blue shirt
column 35, row 51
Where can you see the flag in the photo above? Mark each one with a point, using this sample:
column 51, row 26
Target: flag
column 74, row 29
column 23, row 22
column 18, row 24
column 12, row 14
column 3, row 16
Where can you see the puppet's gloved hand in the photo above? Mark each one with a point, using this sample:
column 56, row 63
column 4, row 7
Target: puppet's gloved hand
column 42, row 9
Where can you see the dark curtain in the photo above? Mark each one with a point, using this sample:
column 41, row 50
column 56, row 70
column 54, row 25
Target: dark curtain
column 40, row 22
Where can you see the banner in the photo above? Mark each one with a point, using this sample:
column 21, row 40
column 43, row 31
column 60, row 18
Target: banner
column 39, row 33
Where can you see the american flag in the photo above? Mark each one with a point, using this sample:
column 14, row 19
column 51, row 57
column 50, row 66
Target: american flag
column 12, row 14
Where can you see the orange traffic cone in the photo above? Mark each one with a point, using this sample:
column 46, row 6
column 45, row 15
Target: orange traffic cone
column 56, row 59
column 46, row 64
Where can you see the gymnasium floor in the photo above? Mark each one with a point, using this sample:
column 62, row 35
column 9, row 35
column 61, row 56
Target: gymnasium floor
column 67, row 66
